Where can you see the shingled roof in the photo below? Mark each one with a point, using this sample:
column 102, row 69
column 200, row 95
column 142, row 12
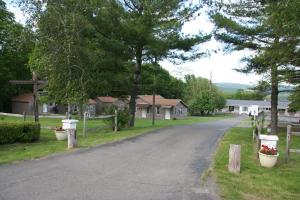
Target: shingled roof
column 107, row 99
column 159, row 100
column 234, row 102
column 91, row 102
column 25, row 98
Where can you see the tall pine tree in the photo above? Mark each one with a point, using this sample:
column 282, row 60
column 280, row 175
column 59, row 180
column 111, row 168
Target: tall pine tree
column 152, row 30
column 245, row 25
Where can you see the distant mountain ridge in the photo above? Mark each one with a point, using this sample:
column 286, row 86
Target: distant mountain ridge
column 232, row 87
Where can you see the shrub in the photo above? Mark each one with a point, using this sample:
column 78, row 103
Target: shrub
column 11, row 132
column 123, row 117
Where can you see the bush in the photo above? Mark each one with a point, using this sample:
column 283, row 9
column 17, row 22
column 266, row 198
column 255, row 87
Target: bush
column 11, row 132
column 123, row 117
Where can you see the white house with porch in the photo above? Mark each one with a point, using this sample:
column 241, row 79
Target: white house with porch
column 250, row 106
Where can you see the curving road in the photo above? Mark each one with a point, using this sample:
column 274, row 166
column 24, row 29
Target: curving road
column 162, row 165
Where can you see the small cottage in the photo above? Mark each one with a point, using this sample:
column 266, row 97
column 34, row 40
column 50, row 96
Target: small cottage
column 164, row 108
column 104, row 102
column 90, row 108
column 25, row 103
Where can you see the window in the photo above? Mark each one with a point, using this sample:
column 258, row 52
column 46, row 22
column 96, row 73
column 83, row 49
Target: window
column 231, row 108
column 157, row 110
column 148, row 110
column 75, row 108
column 245, row 109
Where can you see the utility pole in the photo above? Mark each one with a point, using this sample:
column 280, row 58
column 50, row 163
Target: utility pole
column 210, row 91
column 153, row 99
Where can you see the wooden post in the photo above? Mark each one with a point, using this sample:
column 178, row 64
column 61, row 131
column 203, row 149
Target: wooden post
column 71, row 138
column 259, row 128
column 84, row 123
column 116, row 120
column 234, row 165
column 35, row 102
column 24, row 116
column 262, row 121
column 36, row 86
column 288, row 139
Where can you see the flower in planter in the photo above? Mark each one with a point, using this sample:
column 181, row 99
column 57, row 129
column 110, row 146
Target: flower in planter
column 268, row 151
column 60, row 128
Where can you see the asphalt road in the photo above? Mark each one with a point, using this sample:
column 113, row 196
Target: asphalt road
column 162, row 165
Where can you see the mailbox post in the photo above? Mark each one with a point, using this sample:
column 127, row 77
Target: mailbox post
column 70, row 126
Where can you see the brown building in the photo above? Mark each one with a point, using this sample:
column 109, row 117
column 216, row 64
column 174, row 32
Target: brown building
column 164, row 108
column 105, row 102
column 24, row 103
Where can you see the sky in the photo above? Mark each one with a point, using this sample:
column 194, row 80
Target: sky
column 217, row 65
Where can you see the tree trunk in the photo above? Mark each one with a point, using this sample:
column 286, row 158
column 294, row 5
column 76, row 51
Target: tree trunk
column 274, row 99
column 135, row 89
column 69, row 111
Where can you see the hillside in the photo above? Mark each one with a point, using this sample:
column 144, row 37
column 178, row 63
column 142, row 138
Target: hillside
column 232, row 87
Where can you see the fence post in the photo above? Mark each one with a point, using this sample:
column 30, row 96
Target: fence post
column 84, row 124
column 24, row 116
column 288, row 138
column 234, row 158
column 116, row 120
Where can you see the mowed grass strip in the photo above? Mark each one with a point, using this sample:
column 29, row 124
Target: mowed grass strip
column 255, row 182
column 100, row 134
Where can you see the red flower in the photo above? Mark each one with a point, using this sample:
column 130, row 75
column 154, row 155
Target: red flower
column 59, row 129
column 267, row 150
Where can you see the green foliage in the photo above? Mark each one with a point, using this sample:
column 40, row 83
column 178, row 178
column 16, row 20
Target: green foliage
column 16, row 43
column 202, row 104
column 246, row 95
column 123, row 117
column 164, row 84
column 11, row 132
column 202, row 96
column 60, row 55
column 152, row 31
column 253, row 25
column 295, row 100
column 254, row 181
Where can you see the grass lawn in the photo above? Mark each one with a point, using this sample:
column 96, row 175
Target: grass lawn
column 98, row 134
column 255, row 182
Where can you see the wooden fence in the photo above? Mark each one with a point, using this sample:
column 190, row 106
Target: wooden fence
column 257, row 125
column 289, row 133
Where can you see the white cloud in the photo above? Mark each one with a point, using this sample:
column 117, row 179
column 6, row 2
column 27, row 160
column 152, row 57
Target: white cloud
column 221, row 65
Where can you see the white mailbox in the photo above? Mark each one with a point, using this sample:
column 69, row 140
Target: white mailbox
column 69, row 124
column 269, row 140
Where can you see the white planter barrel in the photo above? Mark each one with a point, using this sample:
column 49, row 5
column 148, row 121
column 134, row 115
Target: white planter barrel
column 70, row 126
column 268, row 140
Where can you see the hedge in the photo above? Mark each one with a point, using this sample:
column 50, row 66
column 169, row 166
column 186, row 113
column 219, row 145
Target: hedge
column 11, row 132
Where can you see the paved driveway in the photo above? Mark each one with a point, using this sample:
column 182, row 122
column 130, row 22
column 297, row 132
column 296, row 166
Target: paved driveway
column 166, row 164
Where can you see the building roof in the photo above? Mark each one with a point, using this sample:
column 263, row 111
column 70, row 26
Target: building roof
column 26, row 98
column 234, row 102
column 107, row 99
column 91, row 102
column 159, row 100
